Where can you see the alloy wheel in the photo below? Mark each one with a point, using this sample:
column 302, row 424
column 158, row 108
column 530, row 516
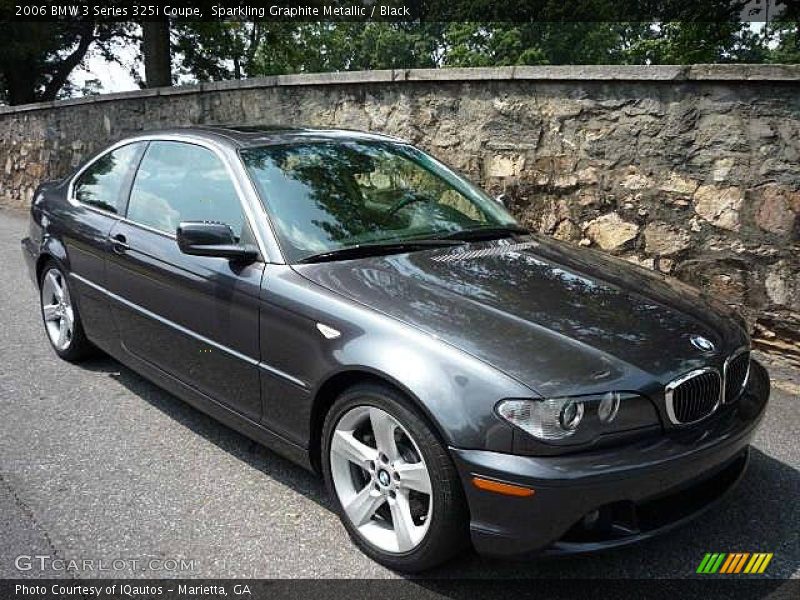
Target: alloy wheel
column 57, row 310
column 381, row 479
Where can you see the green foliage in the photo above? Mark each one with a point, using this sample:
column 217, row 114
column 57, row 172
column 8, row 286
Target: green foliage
column 213, row 51
column 392, row 45
column 690, row 43
column 233, row 50
column 500, row 44
column 32, row 56
column 786, row 38
column 36, row 58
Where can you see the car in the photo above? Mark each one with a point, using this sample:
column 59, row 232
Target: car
column 356, row 305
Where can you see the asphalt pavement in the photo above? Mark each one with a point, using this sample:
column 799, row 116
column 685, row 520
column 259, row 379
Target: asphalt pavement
column 101, row 467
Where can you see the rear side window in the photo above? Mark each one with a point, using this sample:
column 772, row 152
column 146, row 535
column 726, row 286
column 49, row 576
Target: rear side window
column 183, row 182
column 101, row 185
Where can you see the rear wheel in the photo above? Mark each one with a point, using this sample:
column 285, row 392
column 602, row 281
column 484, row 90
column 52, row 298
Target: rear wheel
column 60, row 315
column 396, row 489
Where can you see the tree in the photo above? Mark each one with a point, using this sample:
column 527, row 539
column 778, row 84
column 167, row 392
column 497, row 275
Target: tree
column 683, row 43
column 37, row 58
column 225, row 50
column 787, row 42
column 157, row 53
column 389, row 45
column 556, row 43
column 213, row 51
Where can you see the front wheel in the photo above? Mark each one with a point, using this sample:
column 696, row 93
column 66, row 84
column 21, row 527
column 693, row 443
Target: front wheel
column 396, row 489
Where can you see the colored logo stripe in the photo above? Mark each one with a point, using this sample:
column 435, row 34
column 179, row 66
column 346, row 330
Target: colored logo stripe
column 758, row 563
column 711, row 563
column 735, row 562
column 727, row 564
column 740, row 563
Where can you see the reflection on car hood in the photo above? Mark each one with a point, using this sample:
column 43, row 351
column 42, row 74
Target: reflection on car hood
column 560, row 319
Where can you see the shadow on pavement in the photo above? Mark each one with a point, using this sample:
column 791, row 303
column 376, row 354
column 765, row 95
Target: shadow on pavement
column 761, row 515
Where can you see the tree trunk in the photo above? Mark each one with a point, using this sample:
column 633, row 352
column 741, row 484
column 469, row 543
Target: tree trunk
column 21, row 86
column 40, row 58
column 65, row 68
column 156, row 51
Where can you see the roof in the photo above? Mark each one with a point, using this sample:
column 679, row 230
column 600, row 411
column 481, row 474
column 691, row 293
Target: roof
column 244, row 136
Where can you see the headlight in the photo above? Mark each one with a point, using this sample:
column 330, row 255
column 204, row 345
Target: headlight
column 579, row 419
column 608, row 407
column 571, row 415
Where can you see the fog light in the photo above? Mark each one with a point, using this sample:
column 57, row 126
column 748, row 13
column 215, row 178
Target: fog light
column 571, row 415
column 608, row 408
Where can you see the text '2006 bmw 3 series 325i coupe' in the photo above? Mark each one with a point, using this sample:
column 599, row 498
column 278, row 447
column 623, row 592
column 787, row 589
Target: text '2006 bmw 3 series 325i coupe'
column 354, row 304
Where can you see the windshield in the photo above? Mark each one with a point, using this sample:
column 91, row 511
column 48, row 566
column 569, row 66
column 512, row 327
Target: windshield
column 326, row 196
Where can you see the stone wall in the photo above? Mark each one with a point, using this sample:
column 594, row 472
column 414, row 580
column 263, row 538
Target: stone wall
column 692, row 171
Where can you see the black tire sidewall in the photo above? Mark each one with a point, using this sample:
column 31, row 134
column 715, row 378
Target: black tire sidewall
column 447, row 534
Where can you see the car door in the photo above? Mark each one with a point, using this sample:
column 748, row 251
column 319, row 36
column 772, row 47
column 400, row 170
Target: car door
column 194, row 317
column 96, row 202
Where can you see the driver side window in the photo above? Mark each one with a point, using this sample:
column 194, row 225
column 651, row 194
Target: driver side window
column 178, row 181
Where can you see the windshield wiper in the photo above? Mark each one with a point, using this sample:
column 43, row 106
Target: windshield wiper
column 376, row 249
column 485, row 233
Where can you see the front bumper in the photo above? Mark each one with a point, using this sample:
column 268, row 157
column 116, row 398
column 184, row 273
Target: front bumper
column 638, row 490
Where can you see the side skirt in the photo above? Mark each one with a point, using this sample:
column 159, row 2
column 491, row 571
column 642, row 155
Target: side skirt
column 295, row 453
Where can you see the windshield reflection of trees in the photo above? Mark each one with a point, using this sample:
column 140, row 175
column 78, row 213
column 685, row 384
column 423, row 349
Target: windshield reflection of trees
column 329, row 174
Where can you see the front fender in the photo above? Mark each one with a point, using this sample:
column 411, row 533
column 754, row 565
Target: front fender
column 456, row 391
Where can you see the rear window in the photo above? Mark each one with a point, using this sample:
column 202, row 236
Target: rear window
column 101, row 185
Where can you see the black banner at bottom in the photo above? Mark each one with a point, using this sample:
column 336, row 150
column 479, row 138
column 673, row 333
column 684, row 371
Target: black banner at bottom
column 391, row 589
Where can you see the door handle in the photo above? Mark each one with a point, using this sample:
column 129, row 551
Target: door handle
column 119, row 244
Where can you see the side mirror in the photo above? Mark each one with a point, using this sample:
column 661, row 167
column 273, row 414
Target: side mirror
column 202, row 238
column 501, row 199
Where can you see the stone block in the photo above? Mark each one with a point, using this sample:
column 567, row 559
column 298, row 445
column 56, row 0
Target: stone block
column 611, row 232
column 719, row 206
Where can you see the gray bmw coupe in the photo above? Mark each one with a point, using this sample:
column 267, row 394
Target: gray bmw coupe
column 354, row 304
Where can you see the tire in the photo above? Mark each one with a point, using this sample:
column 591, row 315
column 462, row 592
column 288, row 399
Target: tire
column 60, row 313
column 436, row 523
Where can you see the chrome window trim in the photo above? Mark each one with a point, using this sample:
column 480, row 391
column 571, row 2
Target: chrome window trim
column 138, row 225
column 736, row 354
column 670, row 388
column 186, row 139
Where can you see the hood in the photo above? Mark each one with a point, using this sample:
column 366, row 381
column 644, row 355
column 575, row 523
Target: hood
column 560, row 319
